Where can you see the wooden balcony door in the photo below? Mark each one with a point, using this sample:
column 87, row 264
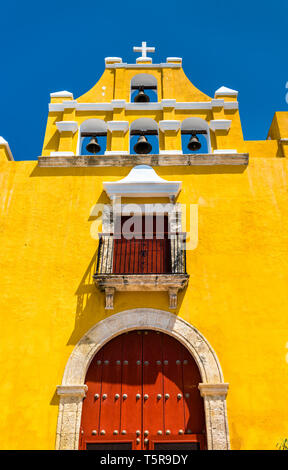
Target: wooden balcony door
column 143, row 247
column 143, row 394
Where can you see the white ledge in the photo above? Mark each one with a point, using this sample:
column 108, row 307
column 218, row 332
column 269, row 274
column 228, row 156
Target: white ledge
column 146, row 60
column 113, row 60
column 62, row 154
column 169, row 125
column 208, row 389
column 168, row 103
column 116, row 152
column 6, row 145
column 69, row 103
column 118, row 103
column 170, row 152
column 142, row 181
column 224, row 151
column 122, row 126
column 177, row 60
column 220, row 124
column 143, row 106
column 61, row 94
column 224, row 91
column 67, row 126
column 217, row 103
column 141, row 65
column 72, row 390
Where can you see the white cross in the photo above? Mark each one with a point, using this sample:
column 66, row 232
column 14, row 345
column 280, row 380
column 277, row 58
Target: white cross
column 144, row 49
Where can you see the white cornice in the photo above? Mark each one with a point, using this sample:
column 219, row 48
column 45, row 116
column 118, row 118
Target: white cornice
column 142, row 181
column 69, row 103
column 122, row 126
column 220, row 125
column 168, row 103
column 170, row 152
column 118, row 103
column 224, row 91
column 173, row 60
column 113, row 60
column 72, row 390
column 67, row 126
column 169, row 125
column 61, row 94
column 61, row 154
column 58, row 107
column 143, row 66
column 224, row 151
column 145, row 60
column 208, row 389
column 6, row 145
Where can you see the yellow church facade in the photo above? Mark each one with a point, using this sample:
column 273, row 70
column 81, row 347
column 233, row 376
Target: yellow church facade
column 69, row 288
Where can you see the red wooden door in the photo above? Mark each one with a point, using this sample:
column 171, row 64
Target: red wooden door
column 143, row 247
column 143, row 394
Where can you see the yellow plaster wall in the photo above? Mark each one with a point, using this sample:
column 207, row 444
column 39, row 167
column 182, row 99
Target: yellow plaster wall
column 237, row 294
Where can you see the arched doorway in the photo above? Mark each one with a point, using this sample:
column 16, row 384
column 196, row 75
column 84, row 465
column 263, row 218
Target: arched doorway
column 143, row 394
column 73, row 390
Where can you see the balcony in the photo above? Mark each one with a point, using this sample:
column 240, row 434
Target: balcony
column 141, row 264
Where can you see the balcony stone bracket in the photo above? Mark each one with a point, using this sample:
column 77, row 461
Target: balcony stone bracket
column 111, row 283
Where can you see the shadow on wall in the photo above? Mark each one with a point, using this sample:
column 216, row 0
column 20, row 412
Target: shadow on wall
column 90, row 306
column 123, row 171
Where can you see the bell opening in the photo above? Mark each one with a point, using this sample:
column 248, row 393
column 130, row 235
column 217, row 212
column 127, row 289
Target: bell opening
column 142, row 146
column 93, row 146
column 141, row 97
column 194, row 143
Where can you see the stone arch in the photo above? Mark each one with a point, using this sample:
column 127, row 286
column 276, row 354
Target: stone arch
column 197, row 124
column 144, row 125
column 147, row 81
column 72, row 390
column 90, row 125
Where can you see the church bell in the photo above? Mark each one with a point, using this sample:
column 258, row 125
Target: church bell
column 93, row 146
column 141, row 97
column 194, row 143
column 142, row 146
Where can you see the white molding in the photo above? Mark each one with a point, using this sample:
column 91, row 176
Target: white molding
column 7, row 146
column 224, row 151
column 169, row 125
column 174, row 60
column 224, row 91
column 116, row 152
column 198, row 105
column 213, row 389
column 118, row 103
column 220, row 125
column 146, row 60
column 72, row 390
column 67, row 126
column 143, row 106
column 62, row 154
column 170, row 152
column 231, row 105
column 143, row 66
column 113, row 60
column 61, row 94
column 69, row 104
column 168, row 103
column 217, row 103
column 142, row 181
column 69, row 417
column 122, row 126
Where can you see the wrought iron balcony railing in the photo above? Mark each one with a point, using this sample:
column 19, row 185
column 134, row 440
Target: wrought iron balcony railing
column 164, row 254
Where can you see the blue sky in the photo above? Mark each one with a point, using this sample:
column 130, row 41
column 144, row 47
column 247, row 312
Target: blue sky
column 61, row 45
